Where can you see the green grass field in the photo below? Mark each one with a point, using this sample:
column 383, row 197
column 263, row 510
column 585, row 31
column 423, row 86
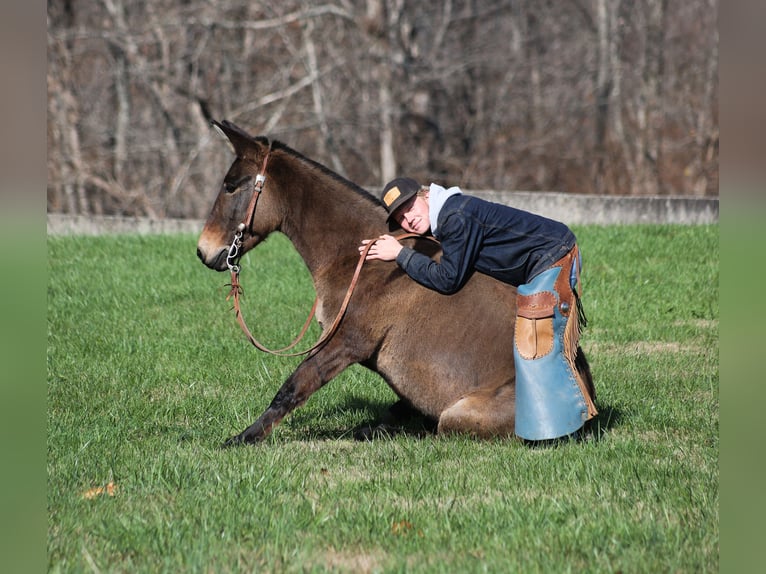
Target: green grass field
column 148, row 373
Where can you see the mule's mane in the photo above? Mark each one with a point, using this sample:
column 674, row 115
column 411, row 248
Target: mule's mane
column 277, row 145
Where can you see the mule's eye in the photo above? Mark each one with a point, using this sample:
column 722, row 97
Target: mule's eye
column 232, row 186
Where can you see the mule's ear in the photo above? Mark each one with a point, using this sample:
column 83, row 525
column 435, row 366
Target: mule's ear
column 220, row 131
column 238, row 138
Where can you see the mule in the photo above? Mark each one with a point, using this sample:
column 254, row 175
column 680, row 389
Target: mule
column 448, row 357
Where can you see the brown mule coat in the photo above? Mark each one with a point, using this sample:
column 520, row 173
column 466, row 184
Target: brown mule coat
column 449, row 357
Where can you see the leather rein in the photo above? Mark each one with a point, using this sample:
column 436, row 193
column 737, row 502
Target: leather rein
column 236, row 292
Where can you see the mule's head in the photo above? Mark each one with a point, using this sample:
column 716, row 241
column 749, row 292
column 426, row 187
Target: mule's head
column 231, row 205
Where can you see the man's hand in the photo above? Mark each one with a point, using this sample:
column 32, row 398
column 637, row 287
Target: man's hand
column 385, row 248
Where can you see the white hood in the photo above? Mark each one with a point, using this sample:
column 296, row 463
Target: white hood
column 437, row 195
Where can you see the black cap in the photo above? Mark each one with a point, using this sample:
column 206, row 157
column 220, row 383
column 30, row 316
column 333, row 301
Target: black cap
column 397, row 192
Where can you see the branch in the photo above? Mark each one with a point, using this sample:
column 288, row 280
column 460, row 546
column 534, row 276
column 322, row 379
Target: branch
column 274, row 22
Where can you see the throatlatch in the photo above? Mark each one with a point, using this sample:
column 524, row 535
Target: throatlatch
column 552, row 398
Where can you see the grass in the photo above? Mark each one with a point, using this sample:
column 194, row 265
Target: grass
column 148, row 373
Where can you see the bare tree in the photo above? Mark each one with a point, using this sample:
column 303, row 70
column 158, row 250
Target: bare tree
column 586, row 96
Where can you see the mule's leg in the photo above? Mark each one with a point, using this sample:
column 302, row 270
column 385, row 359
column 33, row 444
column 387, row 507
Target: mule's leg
column 401, row 417
column 491, row 412
column 483, row 413
column 308, row 378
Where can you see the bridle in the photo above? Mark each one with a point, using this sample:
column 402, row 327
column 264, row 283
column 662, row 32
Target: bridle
column 232, row 258
column 235, row 293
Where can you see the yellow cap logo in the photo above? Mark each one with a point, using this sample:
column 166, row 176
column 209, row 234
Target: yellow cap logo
column 391, row 196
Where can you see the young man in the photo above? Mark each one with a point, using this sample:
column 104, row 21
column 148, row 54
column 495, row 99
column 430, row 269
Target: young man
column 537, row 255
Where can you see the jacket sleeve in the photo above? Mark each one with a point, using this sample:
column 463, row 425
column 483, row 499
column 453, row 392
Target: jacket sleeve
column 460, row 242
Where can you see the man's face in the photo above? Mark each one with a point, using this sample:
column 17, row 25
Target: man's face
column 413, row 216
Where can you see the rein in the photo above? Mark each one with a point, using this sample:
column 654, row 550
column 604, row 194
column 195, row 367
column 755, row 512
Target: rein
column 236, row 292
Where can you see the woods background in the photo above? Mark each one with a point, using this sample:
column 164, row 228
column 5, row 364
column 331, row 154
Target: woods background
column 581, row 96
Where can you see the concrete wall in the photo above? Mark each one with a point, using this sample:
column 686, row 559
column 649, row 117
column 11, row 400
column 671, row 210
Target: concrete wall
column 571, row 209
column 59, row 224
column 610, row 210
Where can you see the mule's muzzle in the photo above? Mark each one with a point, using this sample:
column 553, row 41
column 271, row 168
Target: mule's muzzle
column 215, row 260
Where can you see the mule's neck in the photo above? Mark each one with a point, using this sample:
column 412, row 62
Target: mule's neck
column 326, row 219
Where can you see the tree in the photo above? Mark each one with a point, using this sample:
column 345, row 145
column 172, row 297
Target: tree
column 586, row 96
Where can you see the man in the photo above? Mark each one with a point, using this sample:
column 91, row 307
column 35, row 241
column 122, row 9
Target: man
column 537, row 255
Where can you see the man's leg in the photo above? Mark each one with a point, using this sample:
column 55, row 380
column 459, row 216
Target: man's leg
column 552, row 399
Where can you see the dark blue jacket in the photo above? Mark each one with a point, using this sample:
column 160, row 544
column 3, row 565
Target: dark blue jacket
column 501, row 241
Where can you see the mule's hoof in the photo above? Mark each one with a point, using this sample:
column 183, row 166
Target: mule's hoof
column 233, row 441
column 370, row 433
column 238, row 440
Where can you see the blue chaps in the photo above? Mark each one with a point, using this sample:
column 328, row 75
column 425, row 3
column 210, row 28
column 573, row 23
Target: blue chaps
column 552, row 398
